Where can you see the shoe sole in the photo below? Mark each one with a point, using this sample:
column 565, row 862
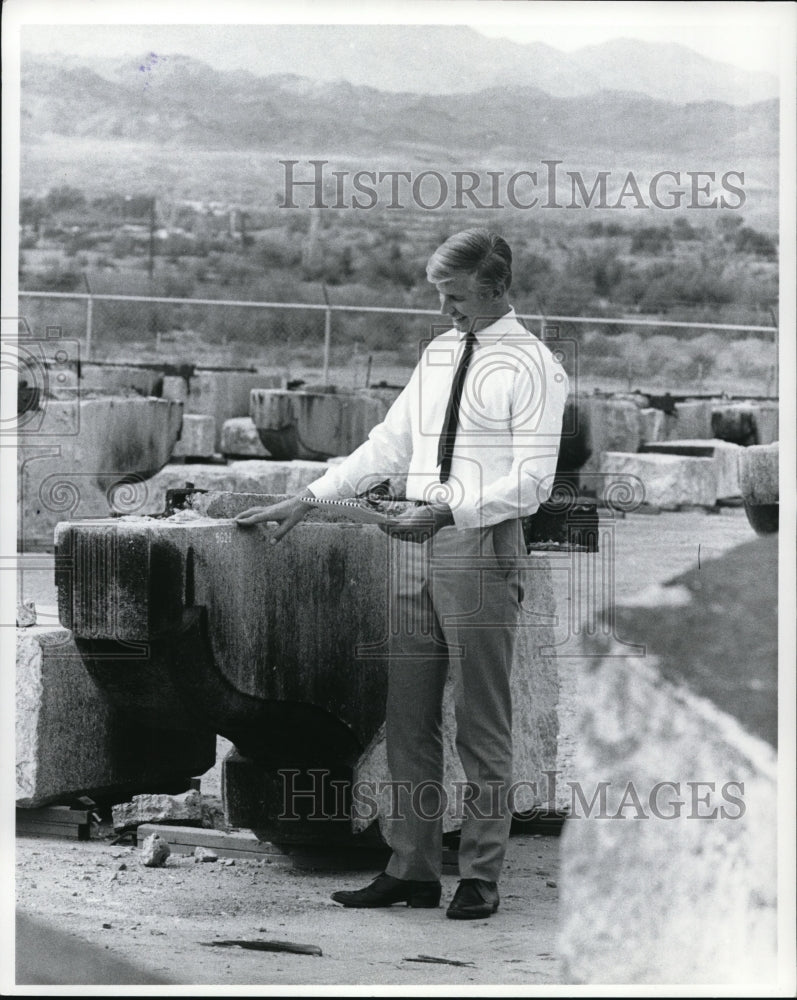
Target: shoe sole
column 416, row 904
column 472, row 914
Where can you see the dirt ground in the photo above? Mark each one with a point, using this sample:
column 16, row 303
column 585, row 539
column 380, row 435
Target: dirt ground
column 103, row 917
column 157, row 919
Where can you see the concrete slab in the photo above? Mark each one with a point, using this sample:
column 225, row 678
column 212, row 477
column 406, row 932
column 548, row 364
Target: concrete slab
column 669, row 859
column 724, row 454
column 313, row 425
column 660, row 480
column 70, row 741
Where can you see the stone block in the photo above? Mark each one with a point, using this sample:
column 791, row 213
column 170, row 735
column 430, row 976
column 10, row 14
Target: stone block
column 70, row 741
column 88, row 458
column 313, row 425
column 758, row 474
column 724, row 454
column 767, row 421
column 225, row 394
column 669, row 857
column 301, row 679
column 660, row 480
column 610, row 425
column 175, row 387
column 692, row 419
column 120, row 380
column 653, row 424
column 197, row 437
column 239, row 439
column 746, row 423
column 735, row 422
column 184, row 809
column 245, row 476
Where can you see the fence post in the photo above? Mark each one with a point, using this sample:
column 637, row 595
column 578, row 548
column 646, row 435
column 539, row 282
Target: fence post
column 327, row 338
column 89, row 325
column 327, row 334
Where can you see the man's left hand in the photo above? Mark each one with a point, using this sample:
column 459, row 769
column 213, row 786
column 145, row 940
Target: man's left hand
column 418, row 524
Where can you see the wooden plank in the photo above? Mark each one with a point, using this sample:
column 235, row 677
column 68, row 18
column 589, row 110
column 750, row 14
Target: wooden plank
column 80, row 831
column 214, row 840
column 55, row 814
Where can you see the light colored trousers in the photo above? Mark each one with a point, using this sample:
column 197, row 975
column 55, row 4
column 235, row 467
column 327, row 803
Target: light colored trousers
column 455, row 605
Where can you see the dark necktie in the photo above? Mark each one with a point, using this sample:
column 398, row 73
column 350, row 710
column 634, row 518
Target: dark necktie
column 445, row 447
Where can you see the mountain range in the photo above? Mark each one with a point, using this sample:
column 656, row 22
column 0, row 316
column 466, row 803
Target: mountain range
column 181, row 101
column 440, row 59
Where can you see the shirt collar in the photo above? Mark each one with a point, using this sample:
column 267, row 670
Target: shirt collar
column 495, row 331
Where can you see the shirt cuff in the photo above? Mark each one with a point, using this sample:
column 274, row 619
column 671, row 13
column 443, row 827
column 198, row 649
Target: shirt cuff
column 466, row 515
column 326, row 488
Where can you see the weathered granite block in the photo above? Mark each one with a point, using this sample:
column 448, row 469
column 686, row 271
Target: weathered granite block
column 88, row 458
column 653, row 424
column 225, row 394
column 246, row 476
column 692, row 419
column 758, row 473
column 758, row 476
column 184, row 809
column 120, row 380
column 610, row 425
column 724, row 454
column 313, row 425
column 300, row 680
column 239, row 439
column 746, row 423
column 669, row 857
column 175, row 387
column 767, row 420
column 70, row 741
column 661, row 480
column 197, row 437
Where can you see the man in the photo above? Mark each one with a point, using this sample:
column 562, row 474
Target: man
column 476, row 432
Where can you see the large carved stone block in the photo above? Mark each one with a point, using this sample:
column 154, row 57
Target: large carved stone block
column 86, row 458
column 314, row 425
column 280, row 648
column 662, row 480
column 70, row 741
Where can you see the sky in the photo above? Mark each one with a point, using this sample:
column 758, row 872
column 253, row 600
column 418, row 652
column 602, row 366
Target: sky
column 748, row 35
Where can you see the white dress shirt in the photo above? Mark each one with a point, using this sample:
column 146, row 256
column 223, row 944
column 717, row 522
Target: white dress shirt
column 507, row 442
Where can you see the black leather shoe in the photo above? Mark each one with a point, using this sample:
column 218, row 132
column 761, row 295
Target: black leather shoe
column 386, row 890
column 475, row 898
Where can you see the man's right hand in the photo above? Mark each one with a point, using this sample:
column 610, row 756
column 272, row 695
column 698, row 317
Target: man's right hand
column 288, row 513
